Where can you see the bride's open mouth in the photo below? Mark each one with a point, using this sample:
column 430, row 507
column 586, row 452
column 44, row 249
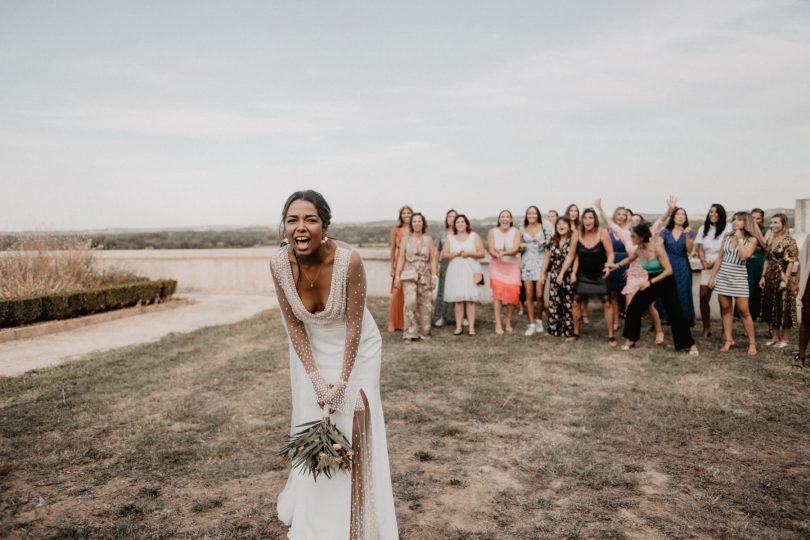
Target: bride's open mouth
column 302, row 242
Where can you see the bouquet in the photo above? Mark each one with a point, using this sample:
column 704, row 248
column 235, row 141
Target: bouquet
column 320, row 448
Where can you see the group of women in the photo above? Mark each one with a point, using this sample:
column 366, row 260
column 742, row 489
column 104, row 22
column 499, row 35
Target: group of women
column 632, row 267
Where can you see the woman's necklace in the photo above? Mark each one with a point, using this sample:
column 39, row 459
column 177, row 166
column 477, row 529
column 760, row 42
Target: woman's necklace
column 311, row 281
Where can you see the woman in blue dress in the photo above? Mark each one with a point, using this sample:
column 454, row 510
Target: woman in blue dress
column 616, row 280
column 678, row 242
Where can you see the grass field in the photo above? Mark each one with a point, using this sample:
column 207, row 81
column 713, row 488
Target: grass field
column 490, row 437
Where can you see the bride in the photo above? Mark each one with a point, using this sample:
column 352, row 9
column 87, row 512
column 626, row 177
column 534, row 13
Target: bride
column 334, row 362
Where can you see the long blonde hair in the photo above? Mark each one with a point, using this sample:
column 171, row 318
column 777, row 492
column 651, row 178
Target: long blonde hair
column 749, row 227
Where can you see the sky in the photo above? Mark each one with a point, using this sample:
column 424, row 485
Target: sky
column 185, row 114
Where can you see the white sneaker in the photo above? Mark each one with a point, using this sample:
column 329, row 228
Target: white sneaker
column 539, row 325
column 529, row 330
column 439, row 323
column 464, row 322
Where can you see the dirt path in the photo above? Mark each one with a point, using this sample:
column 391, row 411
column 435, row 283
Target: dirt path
column 17, row 357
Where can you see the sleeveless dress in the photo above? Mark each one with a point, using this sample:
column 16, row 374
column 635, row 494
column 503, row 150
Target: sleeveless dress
column 591, row 265
column 459, row 285
column 531, row 261
column 560, row 297
column 349, row 505
column 732, row 277
column 396, row 313
column 682, row 272
column 618, row 276
column 418, row 294
column 504, row 273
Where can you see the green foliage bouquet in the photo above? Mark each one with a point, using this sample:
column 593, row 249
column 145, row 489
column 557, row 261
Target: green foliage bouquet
column 320, row 448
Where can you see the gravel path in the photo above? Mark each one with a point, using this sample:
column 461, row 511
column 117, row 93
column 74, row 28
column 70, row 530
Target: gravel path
column 19, row 356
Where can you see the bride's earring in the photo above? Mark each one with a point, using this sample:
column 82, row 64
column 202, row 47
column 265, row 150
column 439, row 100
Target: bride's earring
column 324, row 239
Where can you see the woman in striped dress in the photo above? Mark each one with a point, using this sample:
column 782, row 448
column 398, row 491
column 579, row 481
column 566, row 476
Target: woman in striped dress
column 729, row 279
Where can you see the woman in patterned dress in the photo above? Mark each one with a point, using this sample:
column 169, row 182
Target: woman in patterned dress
column 396, row 313
column 678, row 242
column 779, row 298
column 533, row 241
column 561, row 284
column 729, row 279
column 443, row 311
column 417, row 273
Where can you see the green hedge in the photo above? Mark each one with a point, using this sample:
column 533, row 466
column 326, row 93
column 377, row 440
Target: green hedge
column 65, row 305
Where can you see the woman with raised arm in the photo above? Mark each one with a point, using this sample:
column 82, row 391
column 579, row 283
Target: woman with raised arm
column 709, row 240
column 592, row 247
column 417, row 273
column 561, row 304
column 335, row 353
column 443, row 311
column 659, row 285
column 618, row 229
column 730, row 279
column 779, row 298
column 678, row 242
column 396, row 313
column 534, row 239
column 503, row 245
column 635, row 275
column 464, row 249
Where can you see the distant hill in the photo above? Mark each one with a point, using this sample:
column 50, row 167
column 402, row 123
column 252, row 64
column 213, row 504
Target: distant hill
column 361, row 234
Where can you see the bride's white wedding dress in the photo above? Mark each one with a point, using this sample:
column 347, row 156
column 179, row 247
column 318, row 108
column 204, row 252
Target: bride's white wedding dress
column 351, row 505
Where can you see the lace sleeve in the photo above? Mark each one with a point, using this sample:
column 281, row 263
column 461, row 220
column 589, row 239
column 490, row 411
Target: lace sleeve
column 355, row 309
column 300, row 340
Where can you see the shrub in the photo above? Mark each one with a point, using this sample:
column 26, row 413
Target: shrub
column 64, row 305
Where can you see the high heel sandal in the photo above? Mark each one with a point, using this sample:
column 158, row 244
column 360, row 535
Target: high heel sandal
column 458, row 332
column 727, row 345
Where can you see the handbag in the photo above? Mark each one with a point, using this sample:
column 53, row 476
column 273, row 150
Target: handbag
column 408, row 274
column 478, row 273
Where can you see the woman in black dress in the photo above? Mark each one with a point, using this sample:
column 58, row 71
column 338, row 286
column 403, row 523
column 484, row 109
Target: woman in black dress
column 593, row 249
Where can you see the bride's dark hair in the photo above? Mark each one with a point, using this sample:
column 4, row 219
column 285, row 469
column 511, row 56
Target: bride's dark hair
column 312, row 196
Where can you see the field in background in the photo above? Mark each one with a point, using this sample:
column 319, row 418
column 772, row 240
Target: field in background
column 507, row 437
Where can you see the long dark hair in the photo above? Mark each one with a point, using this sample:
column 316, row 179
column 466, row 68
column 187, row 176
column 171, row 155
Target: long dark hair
column 721, row 220
column 526, row 216
column 312, row 196
column 582, row 221
column 400, row 223
column 447, row 215
column 671, row 222
column 424, row 222
column 579, row 214
column 556, row 237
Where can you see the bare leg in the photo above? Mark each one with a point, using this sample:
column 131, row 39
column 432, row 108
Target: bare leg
column 607, row 306
column 706, row 310
column 529, row 286
column 575, row 313
column 459, row 309
column 614, row 302
column 496, row 306
column 804, row 336
column 785, row 335
column 727, row 312
column 510, row 310
column 748, row 324
column 539, row 300
column 583, row 309
column 471, row 317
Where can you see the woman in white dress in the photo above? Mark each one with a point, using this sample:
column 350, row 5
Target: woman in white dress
column 708, row 242
column 463, row 249
column 335, row 352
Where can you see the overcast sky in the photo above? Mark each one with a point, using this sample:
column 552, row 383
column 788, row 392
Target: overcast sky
column 152, row 114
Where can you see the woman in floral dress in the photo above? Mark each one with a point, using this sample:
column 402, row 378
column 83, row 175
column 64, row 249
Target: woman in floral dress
column 561, row 286
column 779, row 298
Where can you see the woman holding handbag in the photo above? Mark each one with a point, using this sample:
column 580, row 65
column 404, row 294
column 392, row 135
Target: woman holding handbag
column 417, row 273
column 464, row 249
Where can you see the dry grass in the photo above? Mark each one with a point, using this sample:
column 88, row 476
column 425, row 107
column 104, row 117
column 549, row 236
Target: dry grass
column 42, row 264
column 490, row 437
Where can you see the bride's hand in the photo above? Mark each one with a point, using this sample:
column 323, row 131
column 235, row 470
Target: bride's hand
column 335, row 396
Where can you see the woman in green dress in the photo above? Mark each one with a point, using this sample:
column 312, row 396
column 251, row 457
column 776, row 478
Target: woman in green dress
column 755, row 265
